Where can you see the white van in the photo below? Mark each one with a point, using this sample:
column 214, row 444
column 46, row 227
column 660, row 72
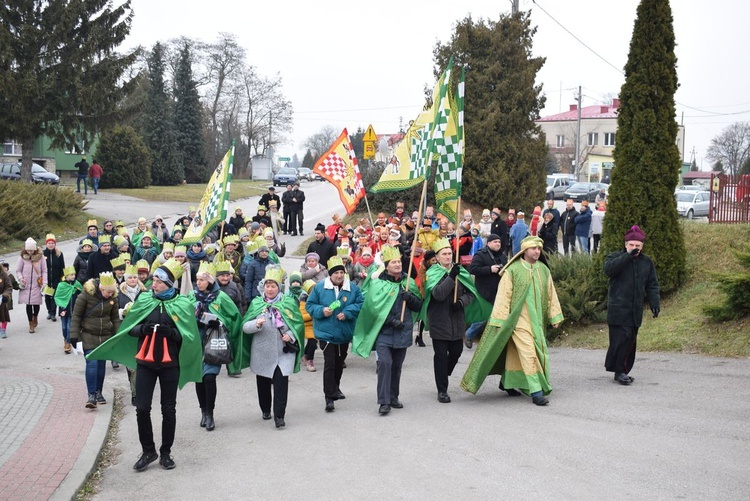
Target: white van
column 557, row 184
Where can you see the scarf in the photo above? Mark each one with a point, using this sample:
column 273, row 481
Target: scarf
column 131, row 292
column 205, row 298
column 166, row 295
column 196, row 256
column 273, row 311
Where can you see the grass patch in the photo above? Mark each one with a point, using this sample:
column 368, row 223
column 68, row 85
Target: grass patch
column 682, row 326
column 192, row 193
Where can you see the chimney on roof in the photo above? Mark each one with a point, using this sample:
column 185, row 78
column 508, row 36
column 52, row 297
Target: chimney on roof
column 604, row 109
column 615, row 103
column 573, row 107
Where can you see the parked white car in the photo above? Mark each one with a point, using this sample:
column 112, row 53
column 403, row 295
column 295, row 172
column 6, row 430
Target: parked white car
column 692, row 204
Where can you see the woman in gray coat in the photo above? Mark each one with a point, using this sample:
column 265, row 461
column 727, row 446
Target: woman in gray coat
column 275, row 321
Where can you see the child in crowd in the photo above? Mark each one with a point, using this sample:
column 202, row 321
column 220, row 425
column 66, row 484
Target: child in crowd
column 7, row 305
column 65, row 297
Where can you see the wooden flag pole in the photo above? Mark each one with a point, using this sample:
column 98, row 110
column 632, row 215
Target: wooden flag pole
column 414, row 244
column 367, row 203
column 458, row 214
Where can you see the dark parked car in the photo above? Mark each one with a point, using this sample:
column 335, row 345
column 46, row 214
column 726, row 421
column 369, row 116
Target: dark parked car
column 584, row 191
column 38, row 173
column 286, row 175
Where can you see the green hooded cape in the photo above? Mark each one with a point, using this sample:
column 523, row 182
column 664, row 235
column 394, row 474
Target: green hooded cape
column 122, row 347
column 478, row 311
column 224, row 308
column 289, row 309
column 65, row 291
column 378, row 303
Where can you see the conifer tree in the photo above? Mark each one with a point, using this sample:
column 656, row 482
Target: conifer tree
column 188, row 120
column 647, row 160
column 308, row 160
column 166, row 170
column 124, row 156
column 506, row 152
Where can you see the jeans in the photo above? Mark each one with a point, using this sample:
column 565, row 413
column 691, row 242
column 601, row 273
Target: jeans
column 474, row 329
column 145, row 382
column 82, row 177
column 280, row 385
column 95, row 370
column 65, row 322
column 96, row 184
column 583, row 244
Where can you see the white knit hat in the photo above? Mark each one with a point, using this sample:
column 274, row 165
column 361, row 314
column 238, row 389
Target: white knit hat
column 30, row 245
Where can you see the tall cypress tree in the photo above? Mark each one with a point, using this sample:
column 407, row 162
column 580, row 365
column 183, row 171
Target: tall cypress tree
column 160, row 138
column 647, row 160
column 506, row 152
column 188, row 120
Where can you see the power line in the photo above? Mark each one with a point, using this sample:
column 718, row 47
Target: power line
column 411, row 107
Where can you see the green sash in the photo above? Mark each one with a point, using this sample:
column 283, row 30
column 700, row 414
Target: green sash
column 65, row 291
column 378, row 303
column 289, row 309
column 478, row 311
column 122, row 347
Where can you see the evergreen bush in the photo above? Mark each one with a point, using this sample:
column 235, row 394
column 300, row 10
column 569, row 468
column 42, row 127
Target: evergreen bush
column 736, row 287
column 125, row 159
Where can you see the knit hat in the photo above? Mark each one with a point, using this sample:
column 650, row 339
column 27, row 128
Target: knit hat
column 295, row 276
column 521, row 214
column 147, row 234
column 268, row 232
column 263, row 248
column 335, row 264
column 313, row 255
column 107, row 282
column 538, row 210
column 50, row 238
column 30, row 245
column 634, row 233
column 492, row 238
column 207, row 271
column 486, row 212
column 142, row 265
column 496, row 211
column 255, row 226
column 119, row 241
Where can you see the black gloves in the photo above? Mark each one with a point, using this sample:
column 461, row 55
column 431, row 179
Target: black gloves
column 454, row 271
column 655, row 310
column 213, row 324
column 147, row 329
column 457, row 306
column 396, row 324
column 405, row 295
column 4, row 299
column 634, row 253
column 164, row 330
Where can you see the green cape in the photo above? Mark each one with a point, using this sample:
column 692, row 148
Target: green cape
column 65, row 291
column 378, row 303
column 478, row 311
column 122, row 347
column 224, row 308
column 289, row 309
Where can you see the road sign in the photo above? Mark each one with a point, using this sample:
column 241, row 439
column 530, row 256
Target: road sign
column 369, row 149
column 285, row 159
column 370, row 134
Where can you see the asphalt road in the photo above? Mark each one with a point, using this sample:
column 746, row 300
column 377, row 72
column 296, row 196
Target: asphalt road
column 681, row 431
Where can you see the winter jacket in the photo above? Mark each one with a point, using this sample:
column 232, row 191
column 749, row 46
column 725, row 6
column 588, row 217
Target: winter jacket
column 256, row 270
column 500, row 228
column 30, row 269
column 314, row 274
column 286, row 201
column 236, row 294
column 445, row 323
column 567, row 222
column 160, row 232
column 325, row 249
column 548, row 233
column 331, row 329
column 300, row 196
column 99, row 263
column 142, row 331
column 629, row 281
column 555, row 215
column 55, row 266
column 518, row 232
column 583, row 223
column 394, row 333
column 147, row 253
column 81, row 264
column 95, row 319
column 481, row 267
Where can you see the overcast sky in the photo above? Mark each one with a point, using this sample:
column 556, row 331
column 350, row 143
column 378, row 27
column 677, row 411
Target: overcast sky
column 350, row 64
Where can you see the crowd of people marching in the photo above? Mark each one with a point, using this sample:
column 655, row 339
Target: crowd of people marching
column 176, row 313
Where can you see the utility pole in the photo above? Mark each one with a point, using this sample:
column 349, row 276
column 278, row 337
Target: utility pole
column 270, row 129
column 514, row 8
column 578, row 135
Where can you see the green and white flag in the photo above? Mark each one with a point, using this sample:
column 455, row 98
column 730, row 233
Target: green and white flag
column 450, row 149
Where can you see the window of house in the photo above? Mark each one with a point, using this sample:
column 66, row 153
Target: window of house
column 11, row 147
column 593, row 138
column 560, row 141
column 609, row 139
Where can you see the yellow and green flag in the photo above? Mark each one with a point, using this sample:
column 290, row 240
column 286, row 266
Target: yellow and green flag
column 450, row 149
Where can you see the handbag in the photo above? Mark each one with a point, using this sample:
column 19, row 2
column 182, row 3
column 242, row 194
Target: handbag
column 217, row 350
column 290, row 347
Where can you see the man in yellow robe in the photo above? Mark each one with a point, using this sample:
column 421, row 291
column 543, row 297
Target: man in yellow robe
column 514, row 343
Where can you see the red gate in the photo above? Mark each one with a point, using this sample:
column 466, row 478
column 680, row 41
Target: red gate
column 730, row 199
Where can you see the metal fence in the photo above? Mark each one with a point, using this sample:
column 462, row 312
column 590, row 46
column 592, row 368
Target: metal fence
column 730, row 199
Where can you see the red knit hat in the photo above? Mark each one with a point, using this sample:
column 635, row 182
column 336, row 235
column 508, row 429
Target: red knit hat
column 635, row 233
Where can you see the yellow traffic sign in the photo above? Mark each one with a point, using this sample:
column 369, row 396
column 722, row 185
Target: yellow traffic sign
column 370, row 134
column 369, row 150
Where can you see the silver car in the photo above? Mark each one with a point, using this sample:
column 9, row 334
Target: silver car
column 692, row 203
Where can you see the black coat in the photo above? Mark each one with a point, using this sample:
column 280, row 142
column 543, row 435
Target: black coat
column 300, row 196
column 286, row 201
column 159, row 316
column 99, row 263
column 55, row 265
column 325, row 249
column 548, row 233
column 267, row 197
column 567, row 222
column 500, row 228
column 630, row 280
column 481, row 268
column 555, row 216
column 445, row 323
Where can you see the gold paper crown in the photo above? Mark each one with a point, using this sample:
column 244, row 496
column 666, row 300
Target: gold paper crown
column 389, row 253
column 252, row 246
column 230, row 239
column 440, row 244
column 92, row 222
column 174, row 268
column 224, row 267
column 131, row 270
column 207, row 268
column 262, row 207
column 69, row 270
column 119, row 224
column 147, row 234
column 168, row 247
column 275, row 273
column 335, row 261
column 87, row 241
column 123, row 232
column 243, row 232
column 268, row 232
column 119, row 240
column 191, row 208
column 104, row 239
column 125, row 256
column 342, row 252
column 143, row 265
column 308, row 285
column 106, row 279
column 117, row 262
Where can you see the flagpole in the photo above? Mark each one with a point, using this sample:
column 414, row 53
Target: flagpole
column 458, row 212
column 367, row 203
column 414, row 245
